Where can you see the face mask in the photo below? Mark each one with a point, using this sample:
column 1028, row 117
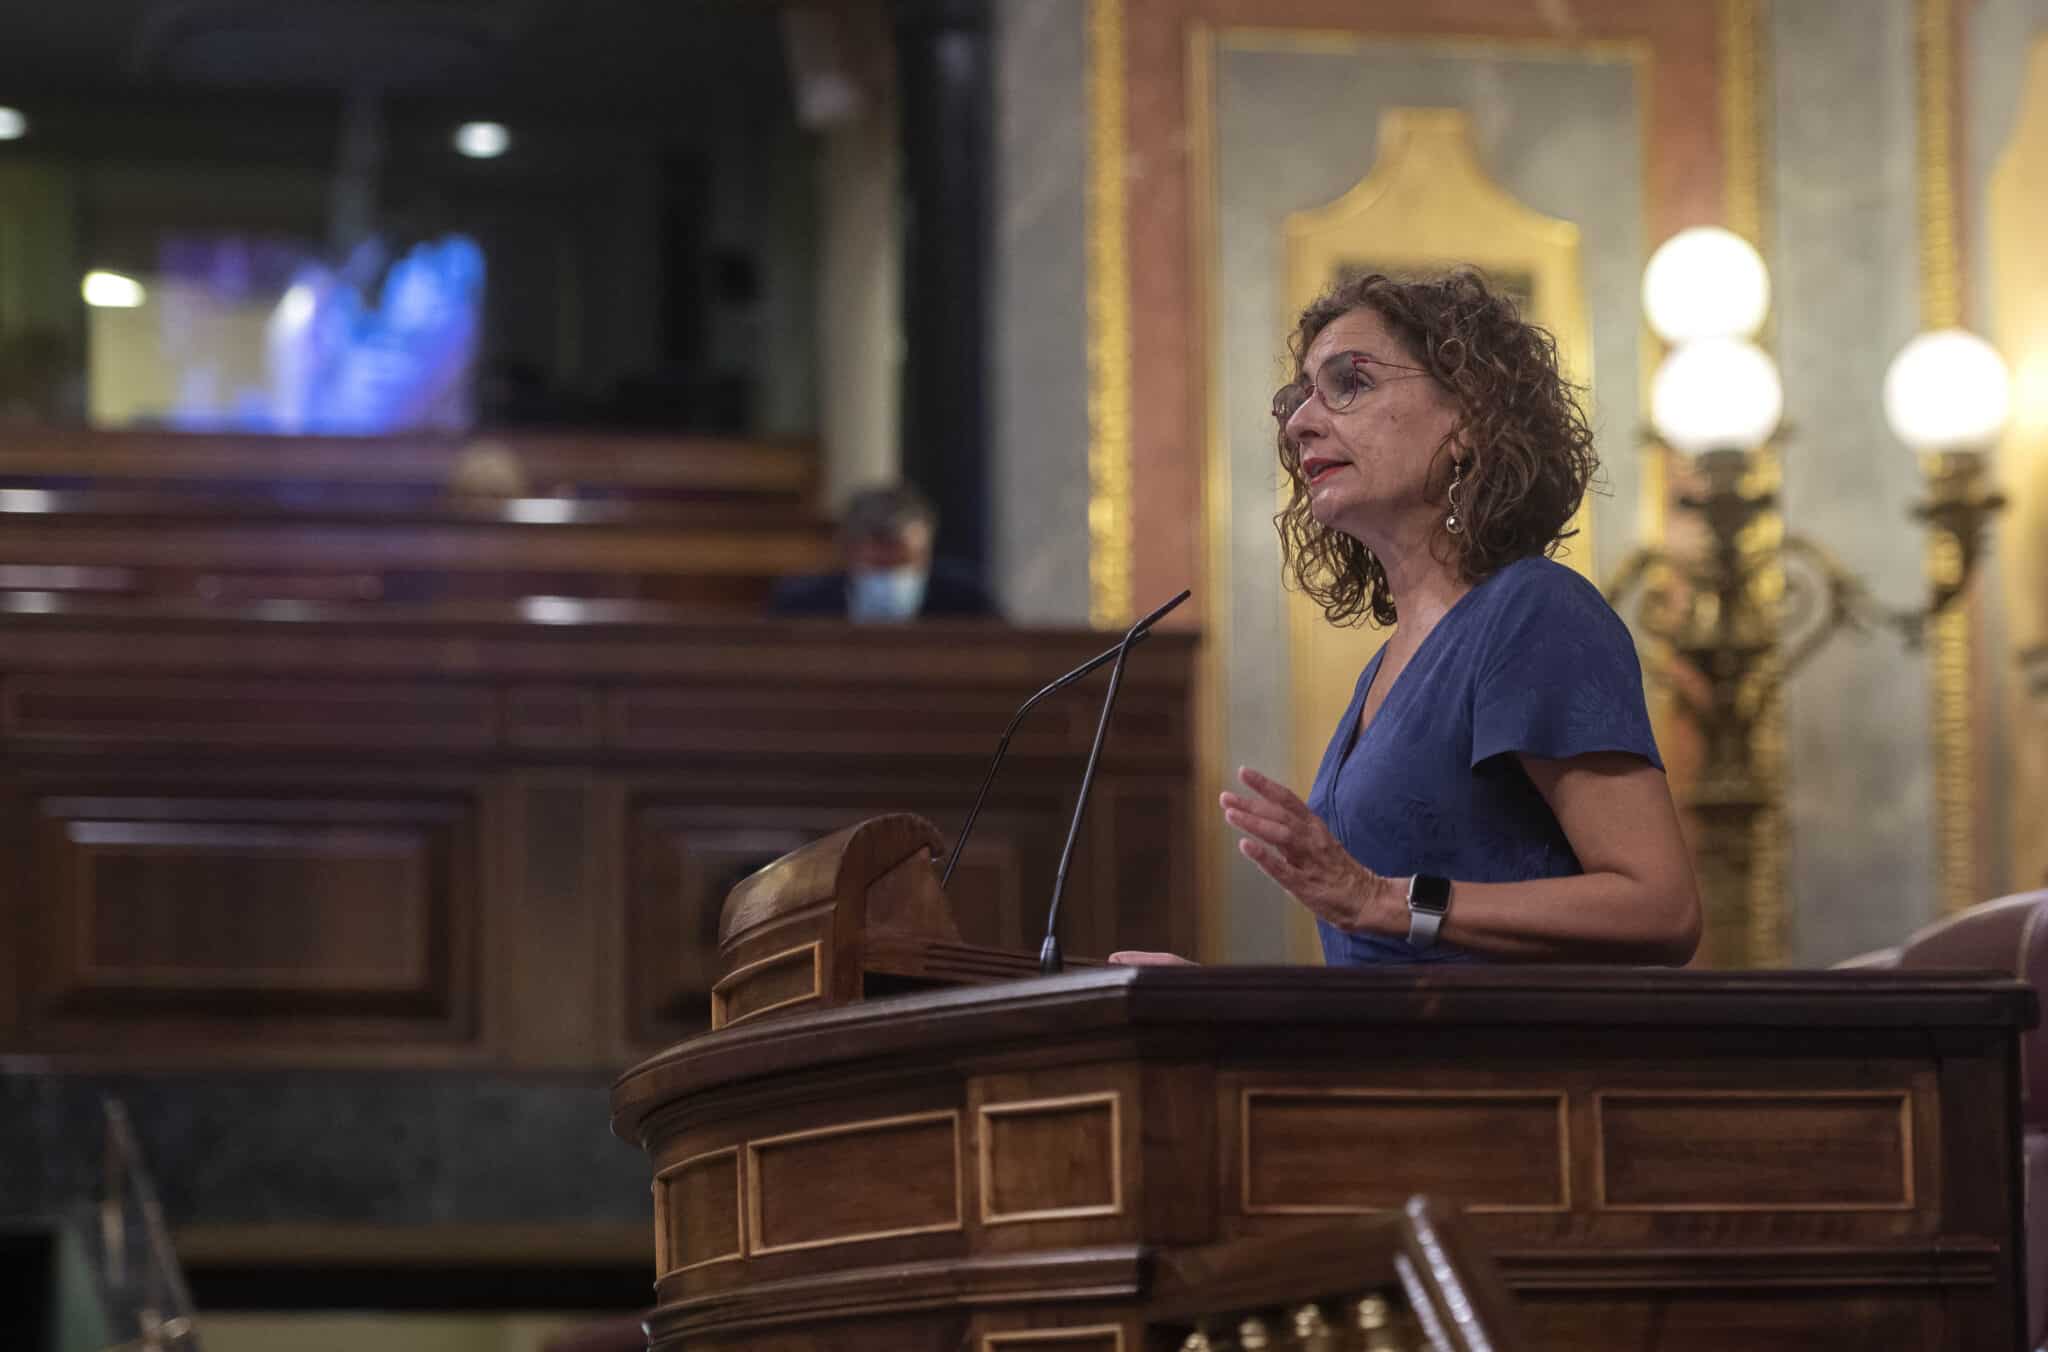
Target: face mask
column 885, row 595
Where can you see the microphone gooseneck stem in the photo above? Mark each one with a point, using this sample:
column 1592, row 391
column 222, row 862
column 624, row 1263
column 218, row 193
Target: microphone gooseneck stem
column 1049, row 962
column 981, row 795
column 959, row 842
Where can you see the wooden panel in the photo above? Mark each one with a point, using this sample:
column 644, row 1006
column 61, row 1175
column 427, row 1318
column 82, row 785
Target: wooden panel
column 685, row 860
column 829, row 721
column 1051, row 1159
column 1136, row 821
column 852, row 1182
column 793, row 976
column 1741, row 1151
column 256, row 906
column 582, row 872
column 697, row 1212
column 1839, row 1320
column 1485, row 1150
column 308, row 713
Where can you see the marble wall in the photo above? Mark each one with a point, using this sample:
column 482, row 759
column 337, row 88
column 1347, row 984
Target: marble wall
column 1843, row 250
column 1038, row 478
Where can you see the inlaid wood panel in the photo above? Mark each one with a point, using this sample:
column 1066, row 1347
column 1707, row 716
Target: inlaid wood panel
column 1051, row 1159
column 793, row 976
column 1847, row 1319
column 256, row 906
column 1724, row 1150
column 697, row 1212
column 1487, row 1150
column 855, row 1181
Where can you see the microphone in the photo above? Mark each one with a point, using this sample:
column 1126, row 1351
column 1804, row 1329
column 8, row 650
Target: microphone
column 1049, row 960
column 1136, row 634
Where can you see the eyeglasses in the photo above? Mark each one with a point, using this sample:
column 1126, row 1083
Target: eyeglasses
column 1339, row 380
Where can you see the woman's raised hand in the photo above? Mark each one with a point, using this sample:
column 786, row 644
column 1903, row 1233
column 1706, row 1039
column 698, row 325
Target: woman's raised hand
column 1292, row 846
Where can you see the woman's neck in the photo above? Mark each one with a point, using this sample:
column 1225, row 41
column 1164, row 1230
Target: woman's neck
column 1424, row 586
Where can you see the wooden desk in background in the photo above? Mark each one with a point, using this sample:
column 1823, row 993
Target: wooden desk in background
column 705, row 522
column 499, row 835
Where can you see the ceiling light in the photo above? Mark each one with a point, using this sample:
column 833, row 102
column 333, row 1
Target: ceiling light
column 482, row 140
column 112, row 290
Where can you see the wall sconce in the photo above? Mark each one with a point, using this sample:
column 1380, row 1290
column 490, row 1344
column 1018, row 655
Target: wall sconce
column 1736, row 619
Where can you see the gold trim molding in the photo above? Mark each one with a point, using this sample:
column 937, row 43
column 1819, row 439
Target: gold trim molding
column 1941, row 306
column 1035, row 1337
column 1745, row 209
column 1109, row 325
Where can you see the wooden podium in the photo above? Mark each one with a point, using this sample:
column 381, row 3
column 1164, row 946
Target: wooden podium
column 1656, row 1159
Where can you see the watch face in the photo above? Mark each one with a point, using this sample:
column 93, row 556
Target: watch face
column 1429, row 893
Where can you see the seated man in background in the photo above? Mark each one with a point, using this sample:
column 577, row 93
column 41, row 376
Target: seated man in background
column 885, row 538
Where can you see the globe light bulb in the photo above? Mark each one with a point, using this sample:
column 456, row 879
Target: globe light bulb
column 1716, row 394
column 1947, row 390
column 1706, row 282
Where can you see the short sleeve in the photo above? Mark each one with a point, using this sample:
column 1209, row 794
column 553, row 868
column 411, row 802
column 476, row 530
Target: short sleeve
column 1560, row 676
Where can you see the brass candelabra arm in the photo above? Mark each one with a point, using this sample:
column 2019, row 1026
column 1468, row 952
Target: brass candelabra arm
column 1959, row 505
column 1822, row 596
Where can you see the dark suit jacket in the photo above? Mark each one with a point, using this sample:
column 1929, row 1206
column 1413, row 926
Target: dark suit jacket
column 952, row 590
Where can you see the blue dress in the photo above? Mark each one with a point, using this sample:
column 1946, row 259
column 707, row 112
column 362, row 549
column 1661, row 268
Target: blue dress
column 1531, row 660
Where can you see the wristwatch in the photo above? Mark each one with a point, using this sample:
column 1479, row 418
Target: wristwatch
column 1429, row 900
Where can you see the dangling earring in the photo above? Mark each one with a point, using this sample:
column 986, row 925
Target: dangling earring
column 1451, row 522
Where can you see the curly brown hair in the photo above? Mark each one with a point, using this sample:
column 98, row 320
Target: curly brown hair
column 1522, row 442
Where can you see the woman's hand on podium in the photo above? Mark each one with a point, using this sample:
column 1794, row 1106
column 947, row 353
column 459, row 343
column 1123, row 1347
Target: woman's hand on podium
column 1138, row 957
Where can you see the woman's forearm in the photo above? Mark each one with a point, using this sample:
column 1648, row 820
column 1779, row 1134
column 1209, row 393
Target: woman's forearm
column 1586, row 917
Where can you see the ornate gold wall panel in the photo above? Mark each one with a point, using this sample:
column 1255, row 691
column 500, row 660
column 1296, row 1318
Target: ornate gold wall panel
column 1109, row 325
column 1427, row 204
column 2018, row 325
